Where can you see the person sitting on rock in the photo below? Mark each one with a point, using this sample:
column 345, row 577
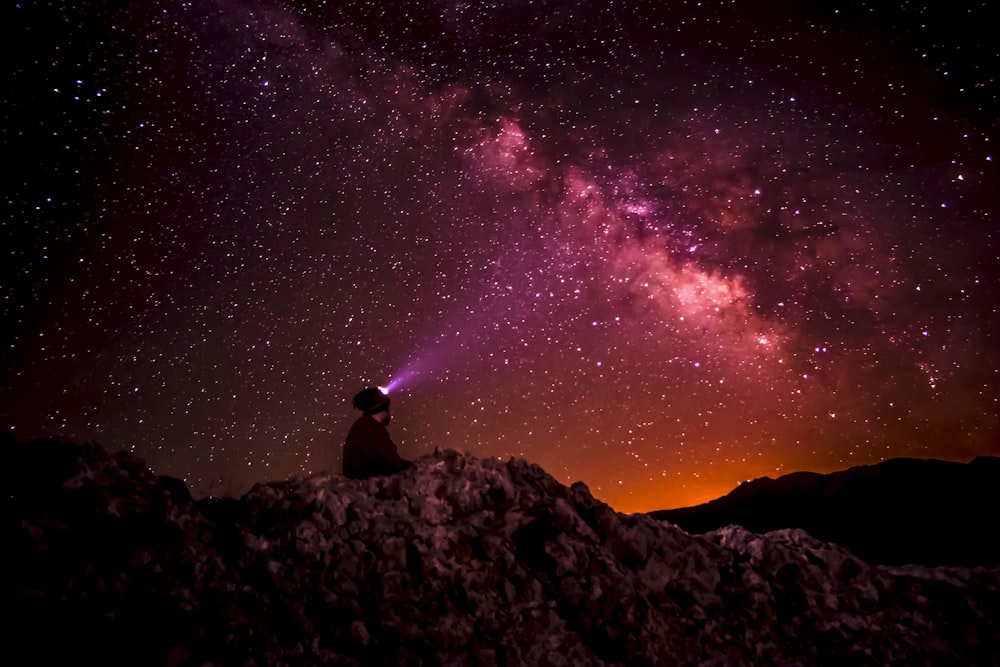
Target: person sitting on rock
column 368, row 449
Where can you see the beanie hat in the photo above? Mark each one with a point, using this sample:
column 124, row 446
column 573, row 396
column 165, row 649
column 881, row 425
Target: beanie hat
column 371, row 401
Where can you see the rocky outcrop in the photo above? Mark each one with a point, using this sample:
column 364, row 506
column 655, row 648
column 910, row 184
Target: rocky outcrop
column 457, row 561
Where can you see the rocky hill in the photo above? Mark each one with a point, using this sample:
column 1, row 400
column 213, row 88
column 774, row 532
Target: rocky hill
column 899, row 511
column 457, row 561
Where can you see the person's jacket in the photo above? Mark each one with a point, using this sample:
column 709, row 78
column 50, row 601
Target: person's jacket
column 369, row 451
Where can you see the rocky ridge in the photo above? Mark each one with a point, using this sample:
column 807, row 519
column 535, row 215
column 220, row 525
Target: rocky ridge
column 457, row 561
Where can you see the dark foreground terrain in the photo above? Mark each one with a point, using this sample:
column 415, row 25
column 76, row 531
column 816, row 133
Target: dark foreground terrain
column 457, row 561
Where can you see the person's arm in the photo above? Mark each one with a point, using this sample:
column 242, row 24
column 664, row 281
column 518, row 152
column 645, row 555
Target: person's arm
column 388, row 455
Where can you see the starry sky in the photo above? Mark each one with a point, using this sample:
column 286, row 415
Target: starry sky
column 661, row 248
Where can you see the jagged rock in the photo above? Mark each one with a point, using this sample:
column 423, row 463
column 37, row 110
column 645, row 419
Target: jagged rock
column 457, row 561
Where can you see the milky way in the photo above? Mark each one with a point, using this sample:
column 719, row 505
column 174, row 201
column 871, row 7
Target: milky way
column 658, row 250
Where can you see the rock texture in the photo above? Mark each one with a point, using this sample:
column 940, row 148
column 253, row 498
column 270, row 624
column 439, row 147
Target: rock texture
column 457, row 561
column 896, row 512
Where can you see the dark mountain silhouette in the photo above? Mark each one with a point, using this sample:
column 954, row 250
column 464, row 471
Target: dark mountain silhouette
column 456, row 561
column 923, row 511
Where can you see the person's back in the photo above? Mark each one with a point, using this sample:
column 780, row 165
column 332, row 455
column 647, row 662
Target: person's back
column 368, row 449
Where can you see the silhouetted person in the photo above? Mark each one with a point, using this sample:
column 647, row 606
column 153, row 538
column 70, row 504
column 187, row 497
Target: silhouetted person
column 368, row 449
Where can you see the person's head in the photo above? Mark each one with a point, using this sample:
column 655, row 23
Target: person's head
column 374, row 403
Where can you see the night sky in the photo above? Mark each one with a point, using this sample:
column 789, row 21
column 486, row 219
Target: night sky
column 661, row 250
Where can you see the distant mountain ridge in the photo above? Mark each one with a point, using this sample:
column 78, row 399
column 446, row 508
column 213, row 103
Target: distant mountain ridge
column 903, row 510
